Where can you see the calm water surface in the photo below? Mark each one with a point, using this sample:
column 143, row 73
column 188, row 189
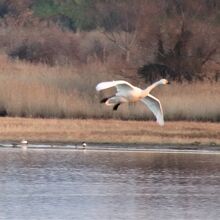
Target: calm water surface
column 68, row 184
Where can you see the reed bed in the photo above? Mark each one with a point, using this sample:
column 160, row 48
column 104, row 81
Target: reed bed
column 37, row 90
column 108, row 131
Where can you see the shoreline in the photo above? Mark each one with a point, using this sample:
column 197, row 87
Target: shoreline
column 106, row 132
column 119, row 148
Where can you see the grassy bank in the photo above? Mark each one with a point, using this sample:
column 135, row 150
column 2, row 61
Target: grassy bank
column 37, row 90
column 109, row 131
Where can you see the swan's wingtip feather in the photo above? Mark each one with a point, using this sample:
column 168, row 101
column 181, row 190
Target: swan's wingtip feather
column 160, row 122
column 97, row 87
column 101, row 86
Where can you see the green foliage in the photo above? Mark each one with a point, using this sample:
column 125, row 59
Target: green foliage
column 80, row 12
column 76, row 14
column 86, row 14
column 3, row 8
column 46, row 8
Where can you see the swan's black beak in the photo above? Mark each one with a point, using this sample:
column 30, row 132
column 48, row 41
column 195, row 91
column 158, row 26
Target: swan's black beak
column 168, row 82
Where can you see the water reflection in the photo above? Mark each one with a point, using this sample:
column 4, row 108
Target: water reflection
column 56, row 184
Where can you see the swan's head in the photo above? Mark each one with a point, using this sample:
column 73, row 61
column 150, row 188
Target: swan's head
column 164, row 81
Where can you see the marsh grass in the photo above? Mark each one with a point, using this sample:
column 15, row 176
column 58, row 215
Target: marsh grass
column 197, row 101
column 108, row 131
column 37, row 90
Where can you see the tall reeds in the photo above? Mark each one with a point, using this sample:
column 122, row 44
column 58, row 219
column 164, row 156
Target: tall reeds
column 37, row 90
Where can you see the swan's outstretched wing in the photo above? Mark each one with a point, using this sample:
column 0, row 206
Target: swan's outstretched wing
column 120, row 84
column 154, row 105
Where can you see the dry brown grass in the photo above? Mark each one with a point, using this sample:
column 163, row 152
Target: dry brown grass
column 43, row 91
column 109, row 131
column 37, row 90
column 196, row 101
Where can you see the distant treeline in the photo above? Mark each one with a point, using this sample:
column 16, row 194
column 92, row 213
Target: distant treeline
column 178, row 40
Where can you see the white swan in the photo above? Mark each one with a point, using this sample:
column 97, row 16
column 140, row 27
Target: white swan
column 130, row 94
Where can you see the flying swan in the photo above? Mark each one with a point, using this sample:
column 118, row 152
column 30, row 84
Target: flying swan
column 127, row 93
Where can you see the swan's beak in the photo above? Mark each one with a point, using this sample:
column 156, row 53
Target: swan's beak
column 168, row 82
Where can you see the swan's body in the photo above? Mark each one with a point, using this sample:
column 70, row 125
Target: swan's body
column 131, row 94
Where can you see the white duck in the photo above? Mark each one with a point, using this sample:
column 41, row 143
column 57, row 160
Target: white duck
column 131, row 94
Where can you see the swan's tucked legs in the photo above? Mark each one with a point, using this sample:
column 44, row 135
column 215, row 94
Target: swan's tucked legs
column 113, row 100
column 116, row 107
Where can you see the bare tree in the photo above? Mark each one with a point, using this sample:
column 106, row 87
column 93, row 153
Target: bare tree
column 186, row 41
column 120, row 23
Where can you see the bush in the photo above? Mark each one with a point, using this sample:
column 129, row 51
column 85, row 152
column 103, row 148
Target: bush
column 153, row 72
column 48, row 48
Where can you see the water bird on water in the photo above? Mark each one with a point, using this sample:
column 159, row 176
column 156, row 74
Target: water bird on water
column 84, row 145
column 127, row 93
column 24, row 144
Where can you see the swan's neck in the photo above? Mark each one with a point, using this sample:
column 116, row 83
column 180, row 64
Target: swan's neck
column 149, row 88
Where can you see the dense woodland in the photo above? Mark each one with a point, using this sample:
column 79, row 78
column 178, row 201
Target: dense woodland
column 176, row 39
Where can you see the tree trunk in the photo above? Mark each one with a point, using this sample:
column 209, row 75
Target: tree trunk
column 128, row 54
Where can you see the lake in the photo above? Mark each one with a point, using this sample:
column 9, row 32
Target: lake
column 79, row 184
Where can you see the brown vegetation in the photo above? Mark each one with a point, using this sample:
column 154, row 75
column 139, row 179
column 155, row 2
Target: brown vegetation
column 52, row 54
column 181, row 35
column 38, row 90
column 109, row 131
